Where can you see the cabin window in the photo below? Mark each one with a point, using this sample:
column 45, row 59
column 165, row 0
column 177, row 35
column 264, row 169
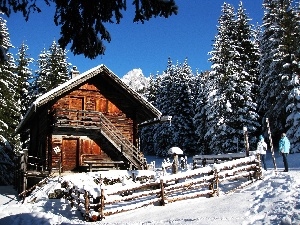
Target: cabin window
column 101, row 105
column 105, row 106
column 76, row 104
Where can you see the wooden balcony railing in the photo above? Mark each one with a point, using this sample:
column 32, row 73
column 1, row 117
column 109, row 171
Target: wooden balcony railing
column 77, row 118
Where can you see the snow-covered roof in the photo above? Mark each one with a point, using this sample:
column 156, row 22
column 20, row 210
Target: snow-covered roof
column 78, row 80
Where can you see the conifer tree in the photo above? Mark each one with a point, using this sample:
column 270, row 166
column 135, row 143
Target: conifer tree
column 271, row 64
column 175, row 97
column 53, row 69
column 9, row 111
column 291, row 69
column 230, row 102
column 293, row 119
column 147, row 132
column 254, row 68
column 183, row 109
column 200, row 118
column 246, row 109
column 24, row 78
column 83, row 23
column 58, row 65
column 163, row 137
column 218, row 107
column 39, row 85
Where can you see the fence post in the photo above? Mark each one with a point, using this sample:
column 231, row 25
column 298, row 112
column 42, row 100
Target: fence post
column 214, row 185
column 59, row 170
column 24, row 161
column 258, row 171
column 86, row 205
column 162, row 192
column 101, row 216
column 17, row 177
column 246, row 140
column 203, row 162
column 175, row 164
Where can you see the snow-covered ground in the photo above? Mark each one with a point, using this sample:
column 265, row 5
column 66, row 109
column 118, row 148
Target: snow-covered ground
column 273, row 200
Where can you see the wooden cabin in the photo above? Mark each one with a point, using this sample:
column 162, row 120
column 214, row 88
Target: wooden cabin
column 91, row 120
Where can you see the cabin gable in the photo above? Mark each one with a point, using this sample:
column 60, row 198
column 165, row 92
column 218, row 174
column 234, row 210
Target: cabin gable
column 76, row 107
column 88, row 98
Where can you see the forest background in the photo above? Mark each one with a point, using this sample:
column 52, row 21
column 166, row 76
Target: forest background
column 254, row 75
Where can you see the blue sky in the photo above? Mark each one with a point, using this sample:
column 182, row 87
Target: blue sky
column 146, row 46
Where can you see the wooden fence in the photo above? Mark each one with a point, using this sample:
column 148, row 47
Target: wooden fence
column 96, row 203
column 203, row 160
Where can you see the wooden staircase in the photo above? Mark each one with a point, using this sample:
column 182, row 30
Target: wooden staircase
column 96, row 121
column 122, row 144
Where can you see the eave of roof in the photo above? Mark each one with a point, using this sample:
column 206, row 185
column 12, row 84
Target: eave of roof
column 76, row 81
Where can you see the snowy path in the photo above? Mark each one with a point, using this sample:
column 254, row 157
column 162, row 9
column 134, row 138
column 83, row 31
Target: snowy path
column 273, row 200
column 204, row 211
column 276, row 200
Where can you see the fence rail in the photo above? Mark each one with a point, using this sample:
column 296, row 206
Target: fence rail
column 202, row 160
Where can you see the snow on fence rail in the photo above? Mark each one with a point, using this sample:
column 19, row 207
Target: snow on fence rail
column 96, row 202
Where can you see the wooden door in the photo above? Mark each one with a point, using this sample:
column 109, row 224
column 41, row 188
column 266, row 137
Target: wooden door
column 70, row 155
column 76, row 103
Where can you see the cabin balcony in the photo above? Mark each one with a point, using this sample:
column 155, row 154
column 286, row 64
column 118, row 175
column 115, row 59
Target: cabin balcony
column 69, row 118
